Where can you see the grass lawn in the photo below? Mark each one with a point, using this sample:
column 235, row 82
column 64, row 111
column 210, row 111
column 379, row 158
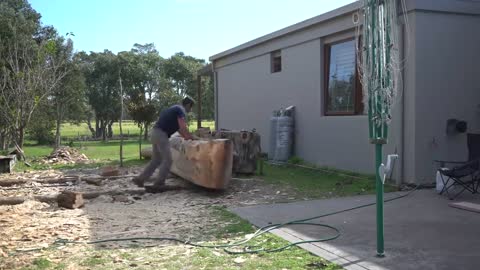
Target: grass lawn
column 128, row 127
column 321, row 183
column 103, row 153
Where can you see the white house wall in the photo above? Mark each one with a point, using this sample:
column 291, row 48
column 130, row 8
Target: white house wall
column 441, row 81
column 447, row 82
column 248, row 93
column 408, row 96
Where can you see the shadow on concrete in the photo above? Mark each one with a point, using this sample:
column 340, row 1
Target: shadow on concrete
column 421, row 231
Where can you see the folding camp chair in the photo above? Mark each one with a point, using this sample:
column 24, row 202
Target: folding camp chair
column 464, row 175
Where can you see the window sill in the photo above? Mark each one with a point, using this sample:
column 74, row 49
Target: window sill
column 340, row 113
column 344, row 115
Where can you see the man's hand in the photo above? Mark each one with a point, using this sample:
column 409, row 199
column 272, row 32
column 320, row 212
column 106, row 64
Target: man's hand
column 188, row 137
column 183, row 130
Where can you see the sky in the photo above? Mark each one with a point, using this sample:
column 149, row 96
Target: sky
column 200, row 28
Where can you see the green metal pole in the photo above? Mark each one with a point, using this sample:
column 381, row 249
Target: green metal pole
column 378, row 29
column 380, row 239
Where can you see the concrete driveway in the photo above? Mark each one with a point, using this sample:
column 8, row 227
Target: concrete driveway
column 421, row 231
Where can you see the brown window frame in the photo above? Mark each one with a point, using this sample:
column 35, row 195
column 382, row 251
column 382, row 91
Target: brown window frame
column 358, row 93
column 273, row 56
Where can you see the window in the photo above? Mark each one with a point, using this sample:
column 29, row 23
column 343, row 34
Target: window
column 276, row 61
column 342, row 91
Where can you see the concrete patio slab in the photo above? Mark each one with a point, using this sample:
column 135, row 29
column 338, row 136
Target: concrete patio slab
column 421, row 231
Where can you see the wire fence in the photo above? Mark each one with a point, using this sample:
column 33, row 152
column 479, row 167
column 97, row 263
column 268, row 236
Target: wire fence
column 88, row 137
column 130, row 131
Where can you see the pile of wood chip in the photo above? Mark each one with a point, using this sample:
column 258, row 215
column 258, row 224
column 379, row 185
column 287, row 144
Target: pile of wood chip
column 65, row 155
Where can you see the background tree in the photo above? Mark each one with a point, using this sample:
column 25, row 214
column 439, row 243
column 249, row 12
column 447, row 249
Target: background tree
column 3, row 134
column 181, row 70
column 42, row 124
column 43, row 82
column 30, row 67
column 102, row 90
column 143, row 77
column 69, row 97
column 208, row 98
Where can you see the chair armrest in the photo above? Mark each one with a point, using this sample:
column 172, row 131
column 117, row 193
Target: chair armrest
column 443, row 162
column 468, row 168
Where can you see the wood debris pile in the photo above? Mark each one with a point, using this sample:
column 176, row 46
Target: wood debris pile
column 65, row 155
column 30, row 183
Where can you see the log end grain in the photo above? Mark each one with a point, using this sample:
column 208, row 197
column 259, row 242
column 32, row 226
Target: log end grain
column 70, row 200
column 93, row 181
column 110, row 171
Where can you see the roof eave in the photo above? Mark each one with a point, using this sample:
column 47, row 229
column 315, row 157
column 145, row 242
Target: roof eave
column 291, row 29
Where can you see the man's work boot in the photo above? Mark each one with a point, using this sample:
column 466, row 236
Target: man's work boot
column 156, row 188
column 159, row 184
column 138, row 181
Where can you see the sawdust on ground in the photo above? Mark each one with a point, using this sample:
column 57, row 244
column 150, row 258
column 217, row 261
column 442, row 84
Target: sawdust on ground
column 184, row 213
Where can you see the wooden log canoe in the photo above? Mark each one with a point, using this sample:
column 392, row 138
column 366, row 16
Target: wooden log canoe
column 207, row 163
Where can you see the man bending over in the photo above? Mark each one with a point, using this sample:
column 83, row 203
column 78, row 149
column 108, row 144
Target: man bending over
column 170, row 121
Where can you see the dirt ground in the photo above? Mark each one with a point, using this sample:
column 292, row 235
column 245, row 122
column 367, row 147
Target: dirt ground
column 183, row 213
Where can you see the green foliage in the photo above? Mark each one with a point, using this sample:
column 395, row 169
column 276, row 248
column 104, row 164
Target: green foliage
column 32, row 62
column 41, row 127
column 73, row 97
column 102, row 85
column 208, row 98
column 19, row 16
column 168, row 98
column 50, row 47
column 42, row 263
column 69, row 96
column 143, row 81
column 101, row 71
column 150, row 83
column 295, row 160
column 41, row 133
column 84, row 87
column 181, row 70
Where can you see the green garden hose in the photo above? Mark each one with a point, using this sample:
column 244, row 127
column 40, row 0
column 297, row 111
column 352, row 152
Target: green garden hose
column 243, row 243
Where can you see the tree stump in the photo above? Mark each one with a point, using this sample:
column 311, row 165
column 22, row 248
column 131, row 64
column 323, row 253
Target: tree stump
column 246, row 147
